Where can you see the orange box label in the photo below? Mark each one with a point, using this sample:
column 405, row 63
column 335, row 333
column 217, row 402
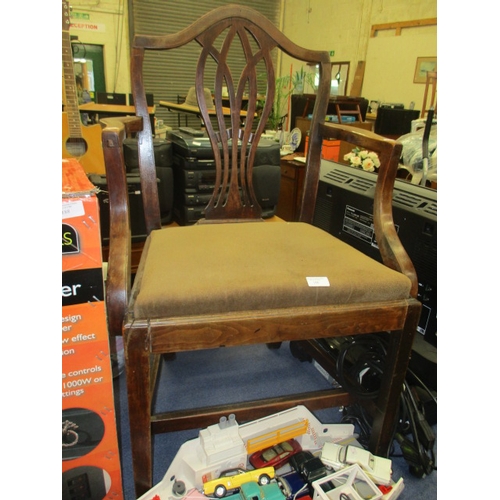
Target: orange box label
column 90, row 455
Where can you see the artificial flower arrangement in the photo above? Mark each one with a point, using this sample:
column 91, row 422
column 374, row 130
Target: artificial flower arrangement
column 361, row 158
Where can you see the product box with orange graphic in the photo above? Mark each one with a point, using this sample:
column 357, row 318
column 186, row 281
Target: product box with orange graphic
column 329, row 150
column 90, row 454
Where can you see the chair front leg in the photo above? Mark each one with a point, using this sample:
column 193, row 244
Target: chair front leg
column 139, row 406
column 388, row 401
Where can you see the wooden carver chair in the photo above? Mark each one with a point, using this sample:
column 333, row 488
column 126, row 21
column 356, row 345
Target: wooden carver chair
column 233, row 279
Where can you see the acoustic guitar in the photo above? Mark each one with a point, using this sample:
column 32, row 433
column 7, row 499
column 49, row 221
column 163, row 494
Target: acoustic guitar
column 78, row 141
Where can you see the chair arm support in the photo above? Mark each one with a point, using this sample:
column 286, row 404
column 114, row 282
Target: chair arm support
column 391, row 249
column 119, row 260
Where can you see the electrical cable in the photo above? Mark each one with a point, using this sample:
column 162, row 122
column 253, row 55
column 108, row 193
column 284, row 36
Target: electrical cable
column 419, row 452
column 370, row 360
column 422, row 384
column 364, row 358
column 359, row 419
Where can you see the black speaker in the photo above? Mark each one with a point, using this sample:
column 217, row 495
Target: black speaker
column 162, row 151
column 266, row 183
column 268, row 153
column 165, row 181
column 165, row 192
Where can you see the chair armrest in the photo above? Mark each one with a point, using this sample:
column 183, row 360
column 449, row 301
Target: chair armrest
column 389, row 151
column 119, row 259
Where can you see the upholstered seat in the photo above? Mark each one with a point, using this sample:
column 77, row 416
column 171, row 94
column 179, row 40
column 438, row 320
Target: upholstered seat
column 221, row 268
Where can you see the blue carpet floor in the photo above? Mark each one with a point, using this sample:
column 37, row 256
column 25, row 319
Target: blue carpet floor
column 250, row 372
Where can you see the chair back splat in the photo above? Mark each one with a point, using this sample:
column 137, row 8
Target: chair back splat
column 231, row 28
column 233, row 278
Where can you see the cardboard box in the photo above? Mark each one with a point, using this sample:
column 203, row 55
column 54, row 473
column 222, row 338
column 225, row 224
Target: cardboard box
column 304, row 124
column 329, row 150
column 90, row 453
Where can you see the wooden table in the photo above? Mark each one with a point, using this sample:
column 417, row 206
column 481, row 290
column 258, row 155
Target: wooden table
column 111, row 109
column 195, row 110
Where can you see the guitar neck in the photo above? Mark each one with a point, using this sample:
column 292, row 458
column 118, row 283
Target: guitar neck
column 71, row 107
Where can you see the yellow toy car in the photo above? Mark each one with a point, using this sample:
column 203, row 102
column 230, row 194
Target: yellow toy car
column 232, row 479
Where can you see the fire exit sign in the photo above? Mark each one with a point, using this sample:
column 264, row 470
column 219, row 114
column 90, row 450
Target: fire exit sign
column 80, row 15
column 332, row 53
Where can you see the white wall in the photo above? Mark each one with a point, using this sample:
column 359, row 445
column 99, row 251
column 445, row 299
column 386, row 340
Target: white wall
column 390, row 68
column 345, row 25
column 340, row 25
column 107, row 25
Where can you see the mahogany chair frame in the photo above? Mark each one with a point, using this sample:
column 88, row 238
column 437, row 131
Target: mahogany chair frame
column 147, row 340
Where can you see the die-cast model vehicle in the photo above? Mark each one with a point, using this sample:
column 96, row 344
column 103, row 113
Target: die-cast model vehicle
column 232, row 479
column 275, row 456
column 254, row 491
column 308, row 466
column 337, row 456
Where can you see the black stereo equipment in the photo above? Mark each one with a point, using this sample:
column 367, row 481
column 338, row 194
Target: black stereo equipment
column 394, row 121
column 194, row 181
column 265, row 179
column 192, row 199
column 189, row 214
column 137, row 220
column 196, row 186
column 189, row 146
column 344, row 207
column 194, row 175
column 162, row 152
column 192, row 163
column 165, row 178
column 196, row 149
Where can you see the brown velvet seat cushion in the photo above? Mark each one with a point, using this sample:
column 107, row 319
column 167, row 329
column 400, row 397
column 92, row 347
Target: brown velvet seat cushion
column 256, row 265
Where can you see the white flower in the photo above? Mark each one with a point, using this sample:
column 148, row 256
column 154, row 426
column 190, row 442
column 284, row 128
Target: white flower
column 374, row 157
column 368, row 165
column 367, row 160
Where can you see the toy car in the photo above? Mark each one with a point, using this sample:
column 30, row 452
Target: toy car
column 378, row 469
column 295, row 485
column 308, row 466
column 275, row 456
column 232, row 479
column 254, row 491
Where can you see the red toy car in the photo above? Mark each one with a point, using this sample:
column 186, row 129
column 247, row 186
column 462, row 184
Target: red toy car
column 275, row 456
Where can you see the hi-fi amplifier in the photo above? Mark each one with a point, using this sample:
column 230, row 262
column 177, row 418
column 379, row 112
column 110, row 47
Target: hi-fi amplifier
column 344, row 208
column 194, row 181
